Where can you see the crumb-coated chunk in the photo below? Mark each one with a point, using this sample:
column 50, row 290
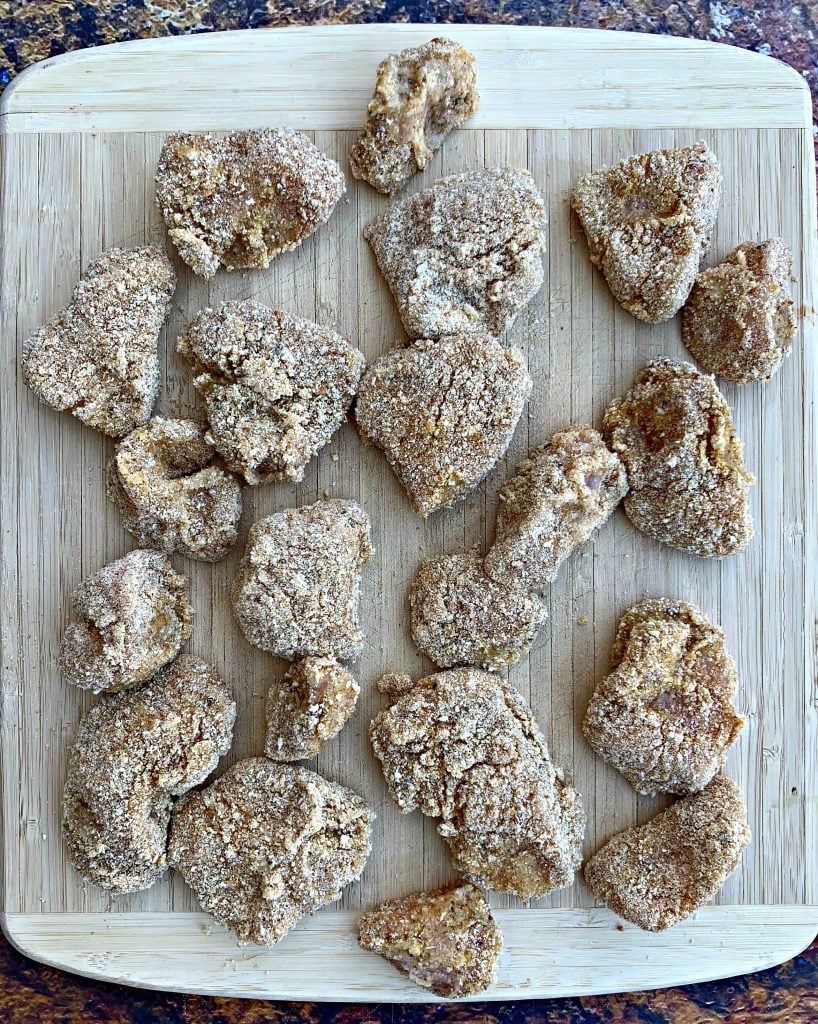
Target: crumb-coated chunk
column 308, row 707
column 421, row 94
column 648, row 222
column 557, row 498
column 465, row 254
column 463, row 747
column 298, row 589
column 657, row 874
column 240, row 201
column 276, row 387
column 266, row 844
column 443, row 412
column 133, row 753
column 135, row 617
column 739, row 321
column 460, row 616
column 445, row 940
column 394, row 684
column 688, row 482
column 97, row 357
column 665, row 716
column 170, row 493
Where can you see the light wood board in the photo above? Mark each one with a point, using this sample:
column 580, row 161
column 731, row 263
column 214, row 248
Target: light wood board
column 81, row 136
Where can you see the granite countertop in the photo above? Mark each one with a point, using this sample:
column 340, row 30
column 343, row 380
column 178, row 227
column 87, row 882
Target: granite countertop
column 31, row 30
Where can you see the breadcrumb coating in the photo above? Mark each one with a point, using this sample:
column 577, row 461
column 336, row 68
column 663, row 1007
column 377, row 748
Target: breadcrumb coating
column 170, row 493
column 266, row 844
column 298, row 589
column 133, row 753
column 443, row 412
column 657, row 874
column 97, row 358
column 445, row 940
column 309, row 706
column 648, row 222
column 688, row 482
column 242, row 200
column 555, row 501
column 463, row 746
column 739, row 321
column 276, row 387
column 135, row 617
column 421, row 94
column 465, row 254
column 460, row 616
column 665, row 715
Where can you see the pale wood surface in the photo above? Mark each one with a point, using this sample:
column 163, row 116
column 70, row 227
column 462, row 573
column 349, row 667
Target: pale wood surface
column 69, row 195
column 304, row 77
column 545, row 953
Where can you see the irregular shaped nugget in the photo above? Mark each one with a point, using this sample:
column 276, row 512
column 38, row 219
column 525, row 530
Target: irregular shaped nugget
column 171, row 495
column 266, row 844
column 657, row 874
column 463, row 747
column 465, row 255
column 687, row 478
column 648, row 221
column 738, row 321
column 443, row 412
column 421, row 94
column 136, row 616
column 460, row 616
column 97, row 358
column 299, row 584
column 242, row 200
column 560, row 494
column 308, row 707
column 276, row 387
column 665, row 717
column 134, row 752
column 445, row 940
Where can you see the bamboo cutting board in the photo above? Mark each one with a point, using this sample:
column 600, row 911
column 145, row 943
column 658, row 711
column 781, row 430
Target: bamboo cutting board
column 81, row 135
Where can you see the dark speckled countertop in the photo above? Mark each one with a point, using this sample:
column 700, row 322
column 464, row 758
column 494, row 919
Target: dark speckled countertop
column 30, row 31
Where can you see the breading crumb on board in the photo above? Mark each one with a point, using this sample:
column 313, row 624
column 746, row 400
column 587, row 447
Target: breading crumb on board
column 463, row 746
column 133, row 753
column 421, row 94
column 556, row 499
column 648, row 222
column 443, row 412
column 393, row 684
column 665, row 716
column 170, row 493
column 298, row 588
column 460, row 616
column 309, row 706
column 276, row 387
column 465, row 254
column 266, row 844
column 445, row 940
column 688, row 482
column 97, row 357
column 657, row 874
column 240, row 201
column 135, row 617
column 739, row 321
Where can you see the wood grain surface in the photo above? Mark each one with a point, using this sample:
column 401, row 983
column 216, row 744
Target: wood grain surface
column 70, row 192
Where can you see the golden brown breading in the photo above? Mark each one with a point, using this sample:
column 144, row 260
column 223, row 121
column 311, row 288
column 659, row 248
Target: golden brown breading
column 657, row 874
column 665, row 717
column 97, row 358
column 648, row 221
column 688, row 482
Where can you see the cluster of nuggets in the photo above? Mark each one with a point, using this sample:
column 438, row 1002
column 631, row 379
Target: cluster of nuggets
column 268, row 842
